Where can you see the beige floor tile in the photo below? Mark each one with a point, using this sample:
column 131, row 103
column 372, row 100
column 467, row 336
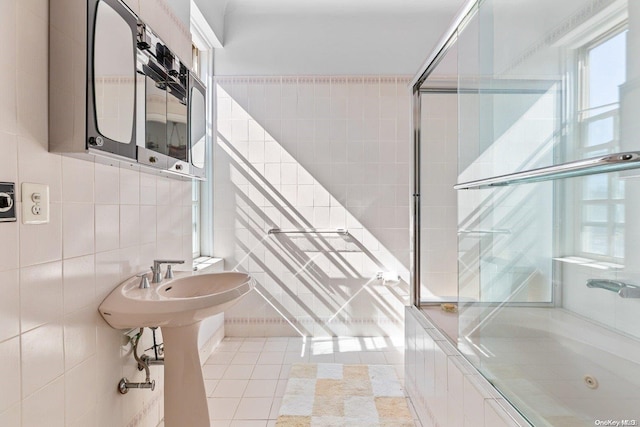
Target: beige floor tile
column 293, row 421
column 356, row 372
column 303, row 371
column 393, row 407
column 332, row 406
column 329, row 387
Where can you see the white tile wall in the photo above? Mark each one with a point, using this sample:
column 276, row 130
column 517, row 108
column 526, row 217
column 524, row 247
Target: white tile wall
column 9, row 256
column 321, row 152
column 10, row 304
column 38, row 370
column 108, row 234
column 74, row 189
column 41, row 295
column 42, row 243
column 10, row 372
column 107, row 184
column 445, row 388
column 79, row 336
column 78, row 399
column 129, row 187
column 78, row 233
column 130, row 225
column 11, row 417
column 46, row 406
column 60, row 361
column 79, row 283
column 439, row 160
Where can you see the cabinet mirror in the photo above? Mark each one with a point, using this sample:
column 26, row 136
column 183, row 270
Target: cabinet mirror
column 198, row 125
column 113, row 75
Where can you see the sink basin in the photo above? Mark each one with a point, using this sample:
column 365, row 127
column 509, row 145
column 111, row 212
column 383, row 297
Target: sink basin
column 186, row 299
column 177, row 306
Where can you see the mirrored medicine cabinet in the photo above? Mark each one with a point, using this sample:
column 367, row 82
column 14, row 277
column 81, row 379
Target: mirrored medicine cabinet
column 117, row 90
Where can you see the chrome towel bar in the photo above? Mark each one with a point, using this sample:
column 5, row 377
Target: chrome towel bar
column 496, row 231
column 341, row 231
column 602, row 164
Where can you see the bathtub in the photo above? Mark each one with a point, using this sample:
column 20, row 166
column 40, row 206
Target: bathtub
column 544, row 366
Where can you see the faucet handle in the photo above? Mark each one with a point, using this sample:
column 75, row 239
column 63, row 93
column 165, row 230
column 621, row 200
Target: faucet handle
column 144, row 280
column 169, row 273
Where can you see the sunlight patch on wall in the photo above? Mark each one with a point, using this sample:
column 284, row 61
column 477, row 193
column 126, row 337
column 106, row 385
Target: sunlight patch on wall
column 309, row 284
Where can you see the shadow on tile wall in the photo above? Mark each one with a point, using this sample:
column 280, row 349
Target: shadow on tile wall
column 314, row 153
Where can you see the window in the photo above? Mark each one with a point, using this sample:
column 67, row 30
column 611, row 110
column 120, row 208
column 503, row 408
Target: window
column 601, row 199
column 204, row 42
column 195, row 54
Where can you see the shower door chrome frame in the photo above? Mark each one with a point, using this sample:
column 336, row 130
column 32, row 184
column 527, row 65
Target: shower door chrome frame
column 449, row 38
column 443, row 45
column 414, row 270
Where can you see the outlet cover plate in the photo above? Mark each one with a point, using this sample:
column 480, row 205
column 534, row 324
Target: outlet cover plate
column 35, row 203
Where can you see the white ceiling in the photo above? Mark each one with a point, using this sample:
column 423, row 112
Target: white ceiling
column 326, row 37
column 342, row 6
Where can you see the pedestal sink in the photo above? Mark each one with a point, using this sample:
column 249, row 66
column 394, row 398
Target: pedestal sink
column 177, row 306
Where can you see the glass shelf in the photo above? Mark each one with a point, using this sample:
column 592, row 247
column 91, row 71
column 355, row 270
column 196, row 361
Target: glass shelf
column 594, row 165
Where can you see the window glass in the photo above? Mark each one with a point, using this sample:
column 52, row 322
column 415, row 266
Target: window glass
column 607, row 65
column 599, row 132
column 596, row 213
column 602, row 220
column 201, row 190
column 595, row 239
column 596, row 187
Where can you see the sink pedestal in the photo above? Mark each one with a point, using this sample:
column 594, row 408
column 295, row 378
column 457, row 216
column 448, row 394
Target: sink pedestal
column 185, row 399
column 178, row 306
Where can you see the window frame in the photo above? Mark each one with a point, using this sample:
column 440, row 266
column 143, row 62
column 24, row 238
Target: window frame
column 584, row 115
column 204, row 42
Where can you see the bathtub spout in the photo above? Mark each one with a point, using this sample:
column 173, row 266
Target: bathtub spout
column 623, row 289
column 629, row 292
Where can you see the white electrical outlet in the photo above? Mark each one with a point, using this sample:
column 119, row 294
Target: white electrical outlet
column 35, row 203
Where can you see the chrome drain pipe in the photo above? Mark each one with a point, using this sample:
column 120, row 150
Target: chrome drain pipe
column 158, row 351
column 150, row 361
column 124, row 385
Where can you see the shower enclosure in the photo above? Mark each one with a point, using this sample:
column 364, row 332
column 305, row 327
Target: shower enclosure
column 526, row 215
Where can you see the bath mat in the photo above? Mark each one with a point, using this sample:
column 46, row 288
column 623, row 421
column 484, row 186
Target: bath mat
column 332, row 395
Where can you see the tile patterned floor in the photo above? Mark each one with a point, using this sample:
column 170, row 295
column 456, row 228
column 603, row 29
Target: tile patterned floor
column 333, row 394
column 246, row 378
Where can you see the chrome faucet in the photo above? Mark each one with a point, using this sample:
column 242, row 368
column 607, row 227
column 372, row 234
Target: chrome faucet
column 157, row 269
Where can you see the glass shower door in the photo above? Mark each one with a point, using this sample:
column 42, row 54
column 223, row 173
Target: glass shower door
column 546, row 233
column 437, row 154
